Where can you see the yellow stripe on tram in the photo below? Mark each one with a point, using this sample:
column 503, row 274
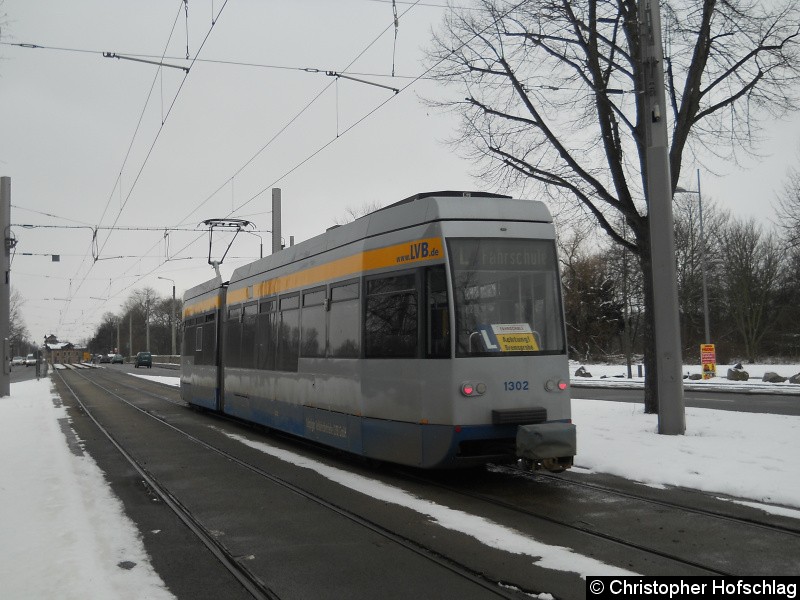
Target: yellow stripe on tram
column 201, row 307
column 407, row 253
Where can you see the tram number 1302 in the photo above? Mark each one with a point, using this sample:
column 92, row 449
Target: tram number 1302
column 515, row 386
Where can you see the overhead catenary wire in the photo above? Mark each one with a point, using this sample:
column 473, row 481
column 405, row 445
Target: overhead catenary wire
column 302, row 162
column 359, row 55
column 376, row 108
column 157, row 60
column 93, row 249
column 396, row 28
column 117, row 228
column 298, row 165
column 288, row 124
column 150, row 150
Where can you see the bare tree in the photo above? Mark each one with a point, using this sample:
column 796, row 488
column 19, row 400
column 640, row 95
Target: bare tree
column 751, row 282
column 592, row 307
column 142, row 303
column 788, row 208
column 352, row 213
column 693, row 254
column 18, row 333
column 552, row 98
column 104, row 340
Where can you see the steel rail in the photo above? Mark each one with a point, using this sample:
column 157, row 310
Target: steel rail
column 494, row 587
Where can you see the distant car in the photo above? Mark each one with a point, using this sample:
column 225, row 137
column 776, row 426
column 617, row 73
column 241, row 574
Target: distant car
column 30, row 360
column 105, row 358
column 18, row 361
column 117, row 359
column 143, row 359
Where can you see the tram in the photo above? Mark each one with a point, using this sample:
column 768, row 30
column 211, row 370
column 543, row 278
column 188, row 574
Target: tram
column 428, row 333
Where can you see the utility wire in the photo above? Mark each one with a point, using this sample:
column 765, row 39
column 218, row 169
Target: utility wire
column 157, row 59
column 323, row 147
column 118, row 182
column 303, row 110
column 152, row 146
column 283, row 129
column 117, row 228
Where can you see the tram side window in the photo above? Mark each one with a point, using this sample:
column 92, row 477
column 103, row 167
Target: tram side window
column 344, row 332
column 233, row 337
column 186, row 331
column 312, row 342
column 265, row 335
column 210, row 339
column 391, row 329
column 438, row 314
column 288, row 333
column 247, row 358
column 204, row 339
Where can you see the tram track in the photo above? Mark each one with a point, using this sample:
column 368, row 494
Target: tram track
column 725, row 519
column 430, row 481
column 792, row 531
column 614, row 539
column 250, row 582
column 229, row 560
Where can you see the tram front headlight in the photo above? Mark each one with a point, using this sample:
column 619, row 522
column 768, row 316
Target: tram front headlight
column 472, row 388
column 552, row 386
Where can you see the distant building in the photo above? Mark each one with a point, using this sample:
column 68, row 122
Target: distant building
column 62, row 352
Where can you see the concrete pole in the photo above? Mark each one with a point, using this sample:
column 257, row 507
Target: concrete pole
column 172, row 320
column 703, row 261
column 668, row 359
column 5, row 291
column 276, row 220
column 147, row 325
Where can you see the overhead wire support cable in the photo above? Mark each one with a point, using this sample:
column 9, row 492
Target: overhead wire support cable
column 142, row 60
column 343, row 76
column 373, row 111
column 158, row 134
column 186, row 11
column 235, row 63
column 327, row 144
column 396, row 28
column 96, row 248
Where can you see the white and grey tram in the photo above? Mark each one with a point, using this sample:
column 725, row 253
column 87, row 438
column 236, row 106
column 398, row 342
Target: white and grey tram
column 428, row 333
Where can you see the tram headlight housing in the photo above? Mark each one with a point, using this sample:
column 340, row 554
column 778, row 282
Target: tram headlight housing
column 552, row 385
column 473, row 388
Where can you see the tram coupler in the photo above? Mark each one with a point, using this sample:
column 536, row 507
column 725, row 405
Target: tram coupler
column 547, row 445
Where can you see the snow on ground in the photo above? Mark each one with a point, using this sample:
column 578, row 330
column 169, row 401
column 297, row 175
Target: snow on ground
column 617, row 376
column 750, row 456
column 64, row 533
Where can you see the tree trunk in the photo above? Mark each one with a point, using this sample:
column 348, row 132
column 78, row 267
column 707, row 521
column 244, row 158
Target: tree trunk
column 648, row 329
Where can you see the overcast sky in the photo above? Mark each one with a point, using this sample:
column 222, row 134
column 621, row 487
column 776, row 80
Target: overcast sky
column 84, row 145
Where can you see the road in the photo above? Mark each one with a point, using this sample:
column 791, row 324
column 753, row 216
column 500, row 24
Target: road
column 736, row 401
column 22, row 373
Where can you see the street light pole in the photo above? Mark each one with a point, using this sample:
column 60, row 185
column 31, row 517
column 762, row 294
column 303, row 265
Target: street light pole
column 172, row 315
column 703, row 261
column 5, row 285
column 706, row 327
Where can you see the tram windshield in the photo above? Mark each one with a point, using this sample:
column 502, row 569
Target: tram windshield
column 507, row 297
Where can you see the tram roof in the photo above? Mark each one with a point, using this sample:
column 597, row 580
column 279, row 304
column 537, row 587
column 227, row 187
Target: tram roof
column 415, row 210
